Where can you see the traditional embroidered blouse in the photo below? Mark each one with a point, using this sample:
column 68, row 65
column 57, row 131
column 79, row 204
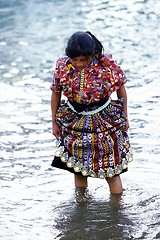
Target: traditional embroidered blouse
column 102, row 77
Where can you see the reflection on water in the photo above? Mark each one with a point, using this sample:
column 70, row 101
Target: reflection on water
column 97, row 221
column 38, row 202
column 134, row 218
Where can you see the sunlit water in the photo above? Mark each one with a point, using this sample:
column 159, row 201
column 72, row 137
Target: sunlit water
column 36, row 201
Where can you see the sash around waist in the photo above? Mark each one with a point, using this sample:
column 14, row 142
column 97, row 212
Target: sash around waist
column 89, row 108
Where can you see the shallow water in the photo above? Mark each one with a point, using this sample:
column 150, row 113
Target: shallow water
column 38, row 202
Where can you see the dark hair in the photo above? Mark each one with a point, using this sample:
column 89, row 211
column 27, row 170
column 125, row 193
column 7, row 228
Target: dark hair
column 83, row 43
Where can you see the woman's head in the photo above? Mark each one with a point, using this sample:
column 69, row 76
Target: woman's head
column 83, row 44
column 82, row 47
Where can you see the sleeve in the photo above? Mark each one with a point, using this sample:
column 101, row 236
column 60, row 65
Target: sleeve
column 55, row 86
column 117, row 76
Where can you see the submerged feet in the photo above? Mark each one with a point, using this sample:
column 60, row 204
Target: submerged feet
column 115, row 186
column 81, row 188
column 81, row 195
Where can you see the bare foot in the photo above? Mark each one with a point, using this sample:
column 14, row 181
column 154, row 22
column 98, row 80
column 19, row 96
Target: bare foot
column 81, row 196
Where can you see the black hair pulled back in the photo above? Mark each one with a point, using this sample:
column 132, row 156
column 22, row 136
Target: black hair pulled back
column 83, row 43
column 98, row 45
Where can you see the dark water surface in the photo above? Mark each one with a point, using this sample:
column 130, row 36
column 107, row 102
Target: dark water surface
column 38, row 202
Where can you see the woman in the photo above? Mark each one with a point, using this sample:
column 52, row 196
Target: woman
column 91, row 128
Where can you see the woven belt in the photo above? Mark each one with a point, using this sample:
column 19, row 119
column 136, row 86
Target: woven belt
column 92, row 111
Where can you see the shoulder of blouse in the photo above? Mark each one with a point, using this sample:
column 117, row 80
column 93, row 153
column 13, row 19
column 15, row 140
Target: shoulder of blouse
column 102, row 61
column 63, row 60
column 107, row 61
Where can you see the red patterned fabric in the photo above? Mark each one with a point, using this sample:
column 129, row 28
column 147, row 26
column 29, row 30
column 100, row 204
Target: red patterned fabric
column 102, row 77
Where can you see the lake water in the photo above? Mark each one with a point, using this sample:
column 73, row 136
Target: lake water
column 39, row 202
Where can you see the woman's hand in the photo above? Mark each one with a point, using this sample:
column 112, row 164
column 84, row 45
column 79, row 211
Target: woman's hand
column 126, row 125
column 56, row 130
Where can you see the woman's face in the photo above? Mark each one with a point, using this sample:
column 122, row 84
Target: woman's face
column 81, row 62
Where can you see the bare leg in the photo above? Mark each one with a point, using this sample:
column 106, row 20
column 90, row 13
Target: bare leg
column 80, row 181
column 115, row 184
column 81, row 187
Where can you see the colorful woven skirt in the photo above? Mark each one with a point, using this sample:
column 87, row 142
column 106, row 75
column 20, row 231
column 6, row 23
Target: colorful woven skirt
column 93, row 142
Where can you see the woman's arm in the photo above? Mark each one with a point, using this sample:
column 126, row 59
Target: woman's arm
column 121, row 93
column 55, row 101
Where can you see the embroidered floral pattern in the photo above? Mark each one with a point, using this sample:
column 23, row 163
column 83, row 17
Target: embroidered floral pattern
column 102, row 77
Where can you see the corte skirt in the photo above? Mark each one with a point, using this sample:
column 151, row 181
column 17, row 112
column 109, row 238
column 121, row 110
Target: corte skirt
column 93, row 142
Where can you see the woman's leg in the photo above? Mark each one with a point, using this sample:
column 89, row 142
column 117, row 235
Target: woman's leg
column 115, row 184
column 81, row 187
column 80, row 181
